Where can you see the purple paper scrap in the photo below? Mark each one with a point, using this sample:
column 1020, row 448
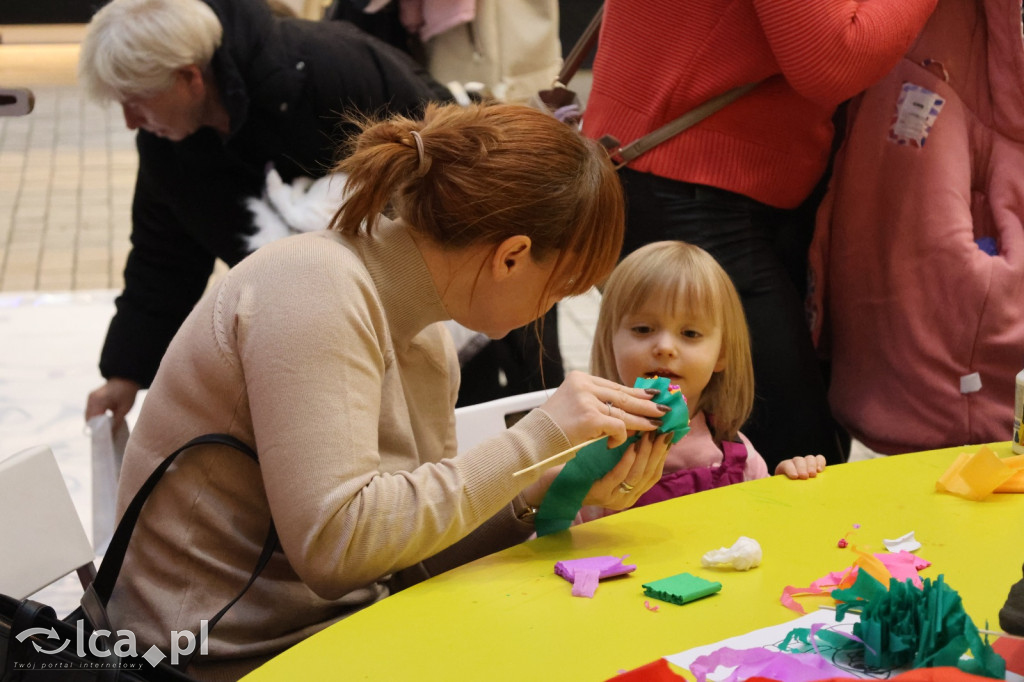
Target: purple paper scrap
column 584, row 574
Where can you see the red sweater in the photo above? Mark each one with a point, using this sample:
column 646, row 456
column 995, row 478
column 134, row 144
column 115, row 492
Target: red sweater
column 657, row 59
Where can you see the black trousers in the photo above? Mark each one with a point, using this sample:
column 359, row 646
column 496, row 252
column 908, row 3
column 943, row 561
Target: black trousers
column 764, row 251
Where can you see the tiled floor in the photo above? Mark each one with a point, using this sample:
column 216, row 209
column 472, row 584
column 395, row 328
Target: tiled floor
column 66, row 176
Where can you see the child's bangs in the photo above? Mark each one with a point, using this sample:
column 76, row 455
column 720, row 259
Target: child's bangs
column 679, row 293
column 696, row 296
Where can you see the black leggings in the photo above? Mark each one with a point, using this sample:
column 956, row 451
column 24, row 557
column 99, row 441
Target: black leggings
column 764, row 250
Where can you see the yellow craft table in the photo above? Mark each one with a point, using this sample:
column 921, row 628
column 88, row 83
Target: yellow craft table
column 509, row 617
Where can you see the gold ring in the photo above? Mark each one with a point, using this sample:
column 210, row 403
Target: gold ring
column 626, row 488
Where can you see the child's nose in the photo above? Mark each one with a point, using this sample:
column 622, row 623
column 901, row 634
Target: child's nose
column 664, row 344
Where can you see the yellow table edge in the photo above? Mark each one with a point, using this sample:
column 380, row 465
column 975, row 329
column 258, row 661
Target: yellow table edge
column 508, row 616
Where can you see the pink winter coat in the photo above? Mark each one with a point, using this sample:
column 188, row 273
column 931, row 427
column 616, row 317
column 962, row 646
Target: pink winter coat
column 926, row 329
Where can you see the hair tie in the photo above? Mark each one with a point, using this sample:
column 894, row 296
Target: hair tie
column 420, row 154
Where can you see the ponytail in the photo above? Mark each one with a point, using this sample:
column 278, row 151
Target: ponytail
column 483, row 173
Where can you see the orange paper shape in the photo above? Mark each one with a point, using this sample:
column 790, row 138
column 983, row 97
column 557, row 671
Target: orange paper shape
column 873, row 566
column 974, row 475
column 1015, row 483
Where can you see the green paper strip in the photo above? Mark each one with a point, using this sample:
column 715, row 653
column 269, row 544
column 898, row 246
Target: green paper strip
column 565, row 496
column 681, row 588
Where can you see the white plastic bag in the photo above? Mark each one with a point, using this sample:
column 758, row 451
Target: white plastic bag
column 107, row 453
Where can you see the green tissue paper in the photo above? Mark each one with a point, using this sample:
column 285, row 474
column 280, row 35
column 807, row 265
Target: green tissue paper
column 565, row 496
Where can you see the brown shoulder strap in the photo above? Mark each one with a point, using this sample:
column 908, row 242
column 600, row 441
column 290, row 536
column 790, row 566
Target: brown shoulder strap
column 623, row 155
column 581, row 49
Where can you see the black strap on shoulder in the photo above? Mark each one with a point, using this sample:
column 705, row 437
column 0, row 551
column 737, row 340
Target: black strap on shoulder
column 98, row 593
column 268, row 551
column 110, row 567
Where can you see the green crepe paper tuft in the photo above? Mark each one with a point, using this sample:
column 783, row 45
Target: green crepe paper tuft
column 565, row 496
column 920, row 628
column 805, row 640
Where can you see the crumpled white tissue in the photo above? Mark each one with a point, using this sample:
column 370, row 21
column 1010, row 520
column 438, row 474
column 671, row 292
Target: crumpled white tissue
column 744, row 554
column 904, row 543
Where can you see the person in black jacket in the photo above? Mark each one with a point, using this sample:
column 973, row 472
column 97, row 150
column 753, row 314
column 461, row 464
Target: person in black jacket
column 219, row 90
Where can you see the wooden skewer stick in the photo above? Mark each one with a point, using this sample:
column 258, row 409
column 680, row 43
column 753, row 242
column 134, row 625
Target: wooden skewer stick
column 556, row 459
column 997, row 633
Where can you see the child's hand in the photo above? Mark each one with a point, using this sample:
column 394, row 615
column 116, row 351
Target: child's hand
column 801, row 467
column 640, row 468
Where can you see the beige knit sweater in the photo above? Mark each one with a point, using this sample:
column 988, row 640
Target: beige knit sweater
column 321, row 352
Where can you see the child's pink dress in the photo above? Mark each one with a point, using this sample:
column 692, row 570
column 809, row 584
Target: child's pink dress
column 694, row 464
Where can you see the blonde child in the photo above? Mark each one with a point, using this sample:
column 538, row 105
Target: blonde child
column 669, row 309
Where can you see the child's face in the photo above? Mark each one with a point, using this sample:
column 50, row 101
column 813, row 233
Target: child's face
column 670, row 344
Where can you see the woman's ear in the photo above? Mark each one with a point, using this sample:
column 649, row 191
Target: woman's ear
column 509, row 257
column 193, row 79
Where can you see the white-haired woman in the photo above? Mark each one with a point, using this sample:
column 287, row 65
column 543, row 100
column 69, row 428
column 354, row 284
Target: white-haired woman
column 218, row 90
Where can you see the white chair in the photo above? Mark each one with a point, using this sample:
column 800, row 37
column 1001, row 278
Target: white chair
column 475, row 423
column 41, row 535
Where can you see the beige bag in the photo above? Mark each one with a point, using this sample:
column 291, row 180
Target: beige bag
column 511, row 46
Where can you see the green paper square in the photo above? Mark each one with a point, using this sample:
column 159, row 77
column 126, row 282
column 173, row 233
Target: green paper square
column 682, row 588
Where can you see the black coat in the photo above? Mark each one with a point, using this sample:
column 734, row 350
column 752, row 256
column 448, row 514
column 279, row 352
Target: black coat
column 285, row 84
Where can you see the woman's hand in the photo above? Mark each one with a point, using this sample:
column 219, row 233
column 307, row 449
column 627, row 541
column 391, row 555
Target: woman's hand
column 640, row 468
column 801, row 467
column 587, row 407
